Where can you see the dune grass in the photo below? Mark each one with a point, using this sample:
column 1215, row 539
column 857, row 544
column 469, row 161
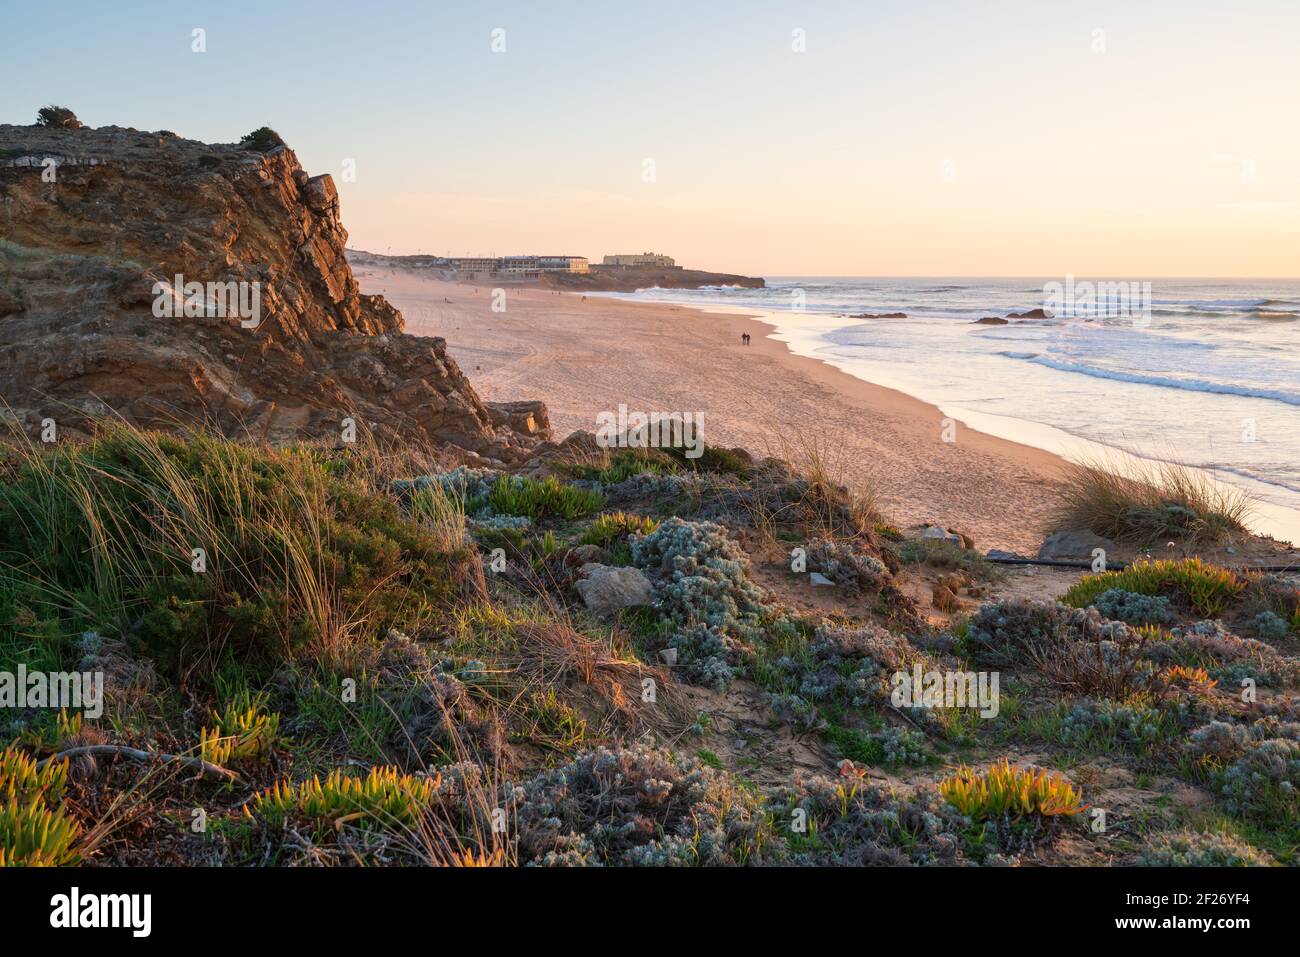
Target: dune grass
column 192, row 548
column 836, row 502
column 1142, row 504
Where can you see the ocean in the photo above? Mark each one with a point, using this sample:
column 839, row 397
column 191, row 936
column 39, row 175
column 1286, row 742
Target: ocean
column 1202, row 372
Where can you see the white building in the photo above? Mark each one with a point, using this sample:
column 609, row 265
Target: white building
column 641, row 260
column 474, row 265
column 522, row 266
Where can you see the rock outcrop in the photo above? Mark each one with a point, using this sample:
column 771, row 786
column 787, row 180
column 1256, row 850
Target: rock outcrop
column 173, row 282
column 1074, row 543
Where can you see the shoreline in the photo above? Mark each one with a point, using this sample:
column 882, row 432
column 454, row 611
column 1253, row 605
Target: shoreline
column 1266, row 518
column 583, row 356
column 1012, row 485
column 1274, row 506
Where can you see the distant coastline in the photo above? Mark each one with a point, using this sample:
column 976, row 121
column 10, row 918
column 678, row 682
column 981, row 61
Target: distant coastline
column 600, row 278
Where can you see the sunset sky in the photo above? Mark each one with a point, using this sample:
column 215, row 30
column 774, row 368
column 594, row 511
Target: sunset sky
column 1165, row 145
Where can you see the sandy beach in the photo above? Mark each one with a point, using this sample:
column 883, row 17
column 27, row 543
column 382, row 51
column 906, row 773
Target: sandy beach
column 584, row 357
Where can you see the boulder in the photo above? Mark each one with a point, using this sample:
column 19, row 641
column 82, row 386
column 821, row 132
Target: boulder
column 940, row 534
column 607, row 590
column 995, row 554
column 1074, row 543
column 528, row 417
column 1031, row 314
column 992, row 321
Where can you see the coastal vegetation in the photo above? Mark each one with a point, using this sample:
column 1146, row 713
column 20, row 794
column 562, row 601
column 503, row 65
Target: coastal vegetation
column 314, row 649
column 1145, row 504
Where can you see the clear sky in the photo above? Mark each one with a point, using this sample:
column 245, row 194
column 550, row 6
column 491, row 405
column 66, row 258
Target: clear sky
column 909, row 138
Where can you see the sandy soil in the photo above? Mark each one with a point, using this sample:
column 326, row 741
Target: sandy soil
column 586, row 356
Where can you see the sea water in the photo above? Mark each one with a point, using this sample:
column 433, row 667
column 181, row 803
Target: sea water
column 1206, row 373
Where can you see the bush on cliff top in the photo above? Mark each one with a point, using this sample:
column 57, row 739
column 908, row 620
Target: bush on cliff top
column 263, row 140
column 57, row 117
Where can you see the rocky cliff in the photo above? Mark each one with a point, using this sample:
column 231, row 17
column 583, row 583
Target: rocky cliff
column 173, row 282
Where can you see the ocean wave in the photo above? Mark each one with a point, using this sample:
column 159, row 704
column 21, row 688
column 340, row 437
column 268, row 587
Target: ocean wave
column 654, row 290
column 1212, row 303
column 1292, row 485
column 1189, row 385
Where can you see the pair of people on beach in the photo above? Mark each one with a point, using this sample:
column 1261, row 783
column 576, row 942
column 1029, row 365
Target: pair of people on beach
column 744, row 338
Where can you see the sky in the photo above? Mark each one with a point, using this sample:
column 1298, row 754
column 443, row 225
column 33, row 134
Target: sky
column 915, row 138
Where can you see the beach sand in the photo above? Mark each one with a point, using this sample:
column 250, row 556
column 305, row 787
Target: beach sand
column 584, row 357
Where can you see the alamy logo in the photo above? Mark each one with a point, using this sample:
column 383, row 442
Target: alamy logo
column 82, row 691
column 651, row 430
column 134, row 911
column 947, row 689
column 1082, row 299
column 224, row 300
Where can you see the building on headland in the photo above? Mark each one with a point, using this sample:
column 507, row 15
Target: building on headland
column 526, row 267
column 640, row 261
column 474, row 265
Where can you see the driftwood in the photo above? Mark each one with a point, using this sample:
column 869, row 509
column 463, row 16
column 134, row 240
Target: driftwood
column 205, row 769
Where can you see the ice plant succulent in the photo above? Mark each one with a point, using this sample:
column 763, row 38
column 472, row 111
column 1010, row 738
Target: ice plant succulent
column 34, row 831
column 385, row 797
column 1004, row 790
column 613, row 525
column 1207, row 588
column 243, row 730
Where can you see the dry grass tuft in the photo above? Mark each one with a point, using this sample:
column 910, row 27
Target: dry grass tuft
column 1141, row 504
column 836, row 504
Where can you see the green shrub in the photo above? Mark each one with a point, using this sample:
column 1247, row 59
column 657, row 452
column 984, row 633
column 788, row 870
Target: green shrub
column 622, row 465
column 34, row 830
column 57, row 117
column 712, row 458
column 1192, row 849
column 262, row 140
column 384, row 798
column 100, row 536
column 943, row 553
column 1207, row 588
column 611, row 526
column 1006, row 791
column 542, row 498
column 243, row 730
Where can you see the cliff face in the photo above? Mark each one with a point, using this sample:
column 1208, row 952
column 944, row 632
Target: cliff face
column 95, row 274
